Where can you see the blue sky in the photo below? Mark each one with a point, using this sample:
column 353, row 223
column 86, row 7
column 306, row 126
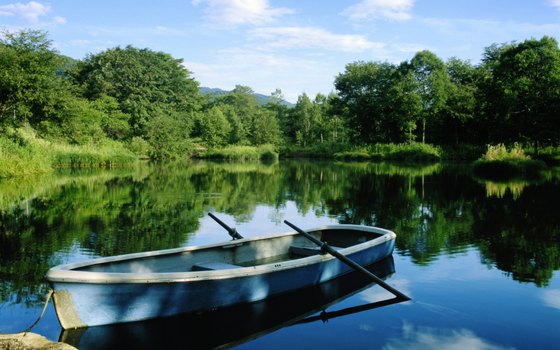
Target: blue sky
column 294, row 45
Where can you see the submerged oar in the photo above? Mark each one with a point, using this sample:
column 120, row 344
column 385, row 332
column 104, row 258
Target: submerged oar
column 232, row 231
column 326, row 248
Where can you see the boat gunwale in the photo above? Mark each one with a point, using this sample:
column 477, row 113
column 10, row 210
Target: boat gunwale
column 67, row 273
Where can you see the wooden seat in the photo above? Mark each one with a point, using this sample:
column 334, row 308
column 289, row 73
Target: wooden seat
column 208, row 266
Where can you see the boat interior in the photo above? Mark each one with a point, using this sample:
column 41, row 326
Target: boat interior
column 233, row 254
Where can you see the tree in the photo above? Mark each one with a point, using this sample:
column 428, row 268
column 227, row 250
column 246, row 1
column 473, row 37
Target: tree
column 431, row 85
column 266, row 129
column 214, row 127
column 522, row 89
column 372, row 93
column 167, row 137
column 30, row 88
column 278, row 106
column 144, row 83
column 301, row 121
column 460, row 105
column 241, row 112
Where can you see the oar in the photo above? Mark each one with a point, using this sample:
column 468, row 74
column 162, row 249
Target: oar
column 326, row 248
column 232, row 232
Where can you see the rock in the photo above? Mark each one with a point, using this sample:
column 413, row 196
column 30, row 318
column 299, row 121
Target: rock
column 30, row 341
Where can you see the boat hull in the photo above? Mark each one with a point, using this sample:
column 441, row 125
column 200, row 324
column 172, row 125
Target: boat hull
column 82, row 303
column 251, row 320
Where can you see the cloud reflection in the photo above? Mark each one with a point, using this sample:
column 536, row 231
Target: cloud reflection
column 551, row 298
column 420, row 338
column 375, row 294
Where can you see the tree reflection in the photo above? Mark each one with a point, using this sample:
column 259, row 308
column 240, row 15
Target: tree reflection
column 435, row 210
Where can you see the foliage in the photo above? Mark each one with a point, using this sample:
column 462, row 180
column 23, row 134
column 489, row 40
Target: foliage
column 167, row 137
column 144, row 83
column 108, row 155
column 23, row 153
column 520, row 91
column 500, row 163
column 405, row 152
column 21, row 157
column 149, row 102
column 500, row 152
column 31, row 90
column 263, row 152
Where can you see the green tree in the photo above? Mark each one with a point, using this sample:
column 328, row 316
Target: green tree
column 114, row 122
column 378, row 101
column 278, row 106
column 458, row 113
column 214, row 127
column 31, row 88
column 431, row 84
column 301, row 121
column 522, row 90
column 266, row 129
column 167, row 137
column 145, row 83
column 241, row 113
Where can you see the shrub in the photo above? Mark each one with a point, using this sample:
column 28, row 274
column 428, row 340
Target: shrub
column 264, row 152
column 499, row 163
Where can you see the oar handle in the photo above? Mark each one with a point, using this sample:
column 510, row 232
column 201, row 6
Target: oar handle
column 232, row 232
column 326, row 248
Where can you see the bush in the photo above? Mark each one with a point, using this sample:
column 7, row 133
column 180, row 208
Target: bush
column 403, row 152
column 264, row 152
column 501, row 153
column 499, row 163
column 413, row 152
column 139, row 147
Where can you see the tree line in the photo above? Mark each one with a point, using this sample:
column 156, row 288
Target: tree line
column 150, row 102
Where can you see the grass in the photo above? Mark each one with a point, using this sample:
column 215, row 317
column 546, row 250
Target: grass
column 502, row 163
column 107, row 155
column 240, row 153
column 414, row 152
column 23, row 153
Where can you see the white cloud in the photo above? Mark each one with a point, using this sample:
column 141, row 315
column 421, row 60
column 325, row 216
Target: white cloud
column 312, row 37
column 59, row 20
column 398, row 10
column 30, row 11
column 554, row 3
column 238, row 12
column 264, row 72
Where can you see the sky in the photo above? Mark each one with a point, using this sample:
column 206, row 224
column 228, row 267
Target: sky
column 297, row 46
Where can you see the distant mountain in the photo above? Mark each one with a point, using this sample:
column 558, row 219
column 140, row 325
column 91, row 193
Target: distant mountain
column 261, row 99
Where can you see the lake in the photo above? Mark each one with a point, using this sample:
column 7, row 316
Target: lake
column 479, row 259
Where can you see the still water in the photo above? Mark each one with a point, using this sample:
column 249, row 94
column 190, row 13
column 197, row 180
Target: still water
column 480, row 260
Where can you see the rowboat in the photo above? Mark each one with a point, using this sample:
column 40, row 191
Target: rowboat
column 141, row 286
column 213, row 329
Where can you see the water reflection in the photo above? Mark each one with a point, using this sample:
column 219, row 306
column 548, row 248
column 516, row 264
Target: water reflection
column 434, row 209
column 236, row 325
column 437, row 338
column 551, row 298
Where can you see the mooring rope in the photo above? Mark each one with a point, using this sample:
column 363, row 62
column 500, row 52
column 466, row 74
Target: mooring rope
column 49, row 294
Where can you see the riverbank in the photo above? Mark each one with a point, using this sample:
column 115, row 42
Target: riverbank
column 22, row 153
